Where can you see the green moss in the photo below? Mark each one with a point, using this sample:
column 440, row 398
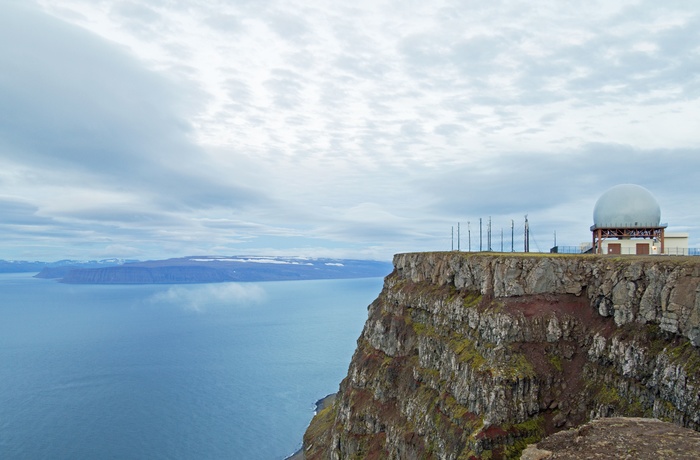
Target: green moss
column 527, row 432
column 610, row 396
column 467, row 454
column 556, row 363
column 516, row 366
column 456, row 410
column 420, row 328
column 471, row 299
column 321, row 423
column 685, row 355
column 679, row 350
column 668, row 409
column 513, row 451
column 466, row 351
column 654, row 343
column 534, row 425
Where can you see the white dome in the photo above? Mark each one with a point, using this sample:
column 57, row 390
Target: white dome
column 626, row 205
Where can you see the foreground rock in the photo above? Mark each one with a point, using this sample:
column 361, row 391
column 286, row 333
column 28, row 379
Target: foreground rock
column 477, row 355
column 619, row 438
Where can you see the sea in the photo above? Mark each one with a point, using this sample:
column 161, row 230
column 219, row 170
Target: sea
column 199, row 371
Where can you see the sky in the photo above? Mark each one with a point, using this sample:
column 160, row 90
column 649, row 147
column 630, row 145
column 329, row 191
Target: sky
column 165, row 128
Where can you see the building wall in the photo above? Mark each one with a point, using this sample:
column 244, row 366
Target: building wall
column 674, row 244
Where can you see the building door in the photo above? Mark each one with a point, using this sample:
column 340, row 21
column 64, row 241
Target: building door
column 642, row 248
column 614, row 248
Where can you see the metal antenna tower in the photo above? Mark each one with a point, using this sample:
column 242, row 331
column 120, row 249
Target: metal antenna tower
column 527, row 235
column 469, row 234
column 488, row 238
column 458, row 238
column 480, row 238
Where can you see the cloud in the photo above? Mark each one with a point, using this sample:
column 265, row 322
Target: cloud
column 174, row 128
column 110, row 140
column 77, row 93
column 204, row 297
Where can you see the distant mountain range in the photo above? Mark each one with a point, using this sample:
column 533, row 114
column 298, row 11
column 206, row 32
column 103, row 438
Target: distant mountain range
column 23, row 266
column 199, row 269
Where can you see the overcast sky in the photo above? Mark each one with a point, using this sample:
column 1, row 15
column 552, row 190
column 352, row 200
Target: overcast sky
column 161, row 128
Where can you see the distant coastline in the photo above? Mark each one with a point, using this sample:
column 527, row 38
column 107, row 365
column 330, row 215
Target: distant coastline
column 214, row 269
column 320, row 405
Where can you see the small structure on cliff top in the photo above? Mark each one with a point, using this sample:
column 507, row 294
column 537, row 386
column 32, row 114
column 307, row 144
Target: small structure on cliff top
column 627, row 212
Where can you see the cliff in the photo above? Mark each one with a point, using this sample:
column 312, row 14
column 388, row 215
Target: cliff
column 477, row 355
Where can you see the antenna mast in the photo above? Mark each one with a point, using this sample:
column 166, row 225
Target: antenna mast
column 488, row 238
column 527, row 235
column 469, row 233
column 458, row 238
column 480, row 239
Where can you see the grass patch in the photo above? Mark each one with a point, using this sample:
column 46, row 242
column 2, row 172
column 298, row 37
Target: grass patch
column 528, row 432
column 321, row 424
column 515, row 366
column 466, row 351
column 556, row 363
column 611, row 397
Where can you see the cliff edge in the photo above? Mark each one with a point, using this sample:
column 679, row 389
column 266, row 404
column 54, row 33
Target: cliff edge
column 476, row 355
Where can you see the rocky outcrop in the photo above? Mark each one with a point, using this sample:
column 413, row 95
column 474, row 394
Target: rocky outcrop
column 619, row 438
column 477, row 355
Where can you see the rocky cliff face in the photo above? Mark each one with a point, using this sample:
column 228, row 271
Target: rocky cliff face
column 477, row 355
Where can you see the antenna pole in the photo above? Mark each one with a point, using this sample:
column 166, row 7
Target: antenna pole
column 512, row 235
column 488, row 238
column 527, row 235
column 458, row 238
column 469, row 234
column 480, row 238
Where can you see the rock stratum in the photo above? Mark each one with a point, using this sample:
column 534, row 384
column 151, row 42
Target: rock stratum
column 478, row 355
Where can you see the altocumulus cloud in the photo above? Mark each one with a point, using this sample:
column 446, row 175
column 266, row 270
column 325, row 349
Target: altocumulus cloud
column 92, row 140
column 333, row 129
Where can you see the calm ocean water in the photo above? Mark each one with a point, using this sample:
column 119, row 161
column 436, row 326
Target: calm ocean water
column 213, row 371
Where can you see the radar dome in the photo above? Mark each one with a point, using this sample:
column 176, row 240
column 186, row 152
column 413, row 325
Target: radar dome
column 626, row 205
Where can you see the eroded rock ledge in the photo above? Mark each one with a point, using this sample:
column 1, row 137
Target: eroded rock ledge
column 619, row 438
column 477, row 355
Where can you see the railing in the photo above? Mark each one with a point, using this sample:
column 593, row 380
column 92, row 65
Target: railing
column 570, row 249
column 624, row 251
column 682, row 251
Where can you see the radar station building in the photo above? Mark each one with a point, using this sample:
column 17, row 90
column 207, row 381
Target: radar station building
column 627, row 220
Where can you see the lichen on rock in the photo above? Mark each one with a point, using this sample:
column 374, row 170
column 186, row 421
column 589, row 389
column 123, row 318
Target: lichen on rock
column 477, row 355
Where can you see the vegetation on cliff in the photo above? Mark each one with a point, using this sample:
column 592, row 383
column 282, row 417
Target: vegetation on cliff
column 475, row 356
